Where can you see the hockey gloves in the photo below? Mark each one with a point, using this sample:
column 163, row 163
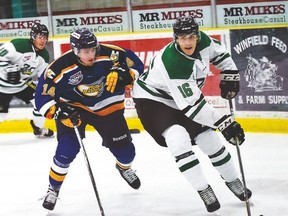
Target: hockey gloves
column 67, row 114
column 118, row 78
column 229, row 83
column 12, row 74
column 231, row 130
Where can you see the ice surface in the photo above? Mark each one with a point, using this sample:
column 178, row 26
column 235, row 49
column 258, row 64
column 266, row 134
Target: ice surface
column 25, row 162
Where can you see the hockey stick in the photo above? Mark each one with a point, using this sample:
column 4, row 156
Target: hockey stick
column 241, row 164
column 88, row 166
column 31, row 85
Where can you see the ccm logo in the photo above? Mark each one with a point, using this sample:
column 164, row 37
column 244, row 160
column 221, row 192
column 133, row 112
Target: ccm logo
column 230, row 77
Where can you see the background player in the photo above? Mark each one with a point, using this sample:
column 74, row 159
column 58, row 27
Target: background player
column 21, row 60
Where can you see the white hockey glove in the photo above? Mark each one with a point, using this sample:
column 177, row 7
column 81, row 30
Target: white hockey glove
column 12, row 74
column 231, row 130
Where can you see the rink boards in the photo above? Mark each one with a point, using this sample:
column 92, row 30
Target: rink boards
column 249, row 124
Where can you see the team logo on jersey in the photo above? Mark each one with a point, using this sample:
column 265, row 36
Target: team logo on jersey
column 114, row 56
column 50, row 74
column 75, row 78
column 26, row 58
column 94, row 89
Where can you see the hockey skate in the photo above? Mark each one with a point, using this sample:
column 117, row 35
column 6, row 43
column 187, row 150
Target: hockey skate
column 129, row 176
column 210, row 200
column 238, row 190
column 50, row 199
column 41, row 132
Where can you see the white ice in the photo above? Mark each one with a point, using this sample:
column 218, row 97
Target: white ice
column 25, row 162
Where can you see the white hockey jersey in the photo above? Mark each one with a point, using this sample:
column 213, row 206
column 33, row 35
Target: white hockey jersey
column 176, row 79
column 20, row 54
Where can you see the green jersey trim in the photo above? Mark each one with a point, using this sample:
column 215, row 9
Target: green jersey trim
column 200, row 106
column 160, row 94
column 23, row 45
column 176, row 64
column 225, row 56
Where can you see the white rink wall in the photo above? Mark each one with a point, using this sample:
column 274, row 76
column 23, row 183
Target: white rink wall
column 56, row 49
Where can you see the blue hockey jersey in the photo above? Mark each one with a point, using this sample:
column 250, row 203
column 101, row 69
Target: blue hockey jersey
column 67, row 80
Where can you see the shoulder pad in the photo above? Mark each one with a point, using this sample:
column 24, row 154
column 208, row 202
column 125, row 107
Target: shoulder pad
column 111, row 46
column 113, row 52
column 22, row 45
column 65, row 61
column 44, row 54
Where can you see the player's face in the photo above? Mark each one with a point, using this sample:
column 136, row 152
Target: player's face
column 87, row 56
column 187, row 43
column 40, row 41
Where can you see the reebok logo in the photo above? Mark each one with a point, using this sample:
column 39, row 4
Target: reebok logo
column 120, row 138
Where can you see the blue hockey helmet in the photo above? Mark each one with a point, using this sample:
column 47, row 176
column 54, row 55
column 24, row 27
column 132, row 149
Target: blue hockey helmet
column 185, row 25
column 83, row 38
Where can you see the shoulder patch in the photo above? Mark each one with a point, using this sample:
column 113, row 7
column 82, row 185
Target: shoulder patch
column 49, row 74
column 114, row 55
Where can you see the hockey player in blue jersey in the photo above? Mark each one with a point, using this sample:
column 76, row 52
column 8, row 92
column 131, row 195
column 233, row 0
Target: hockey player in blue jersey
column 87, row 84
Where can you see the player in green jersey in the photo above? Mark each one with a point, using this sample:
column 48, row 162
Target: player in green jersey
column 173, row 109
column 22, row 60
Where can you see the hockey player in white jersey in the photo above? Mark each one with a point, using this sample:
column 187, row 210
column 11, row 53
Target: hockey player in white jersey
column 21, row 60
column 172, row 108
